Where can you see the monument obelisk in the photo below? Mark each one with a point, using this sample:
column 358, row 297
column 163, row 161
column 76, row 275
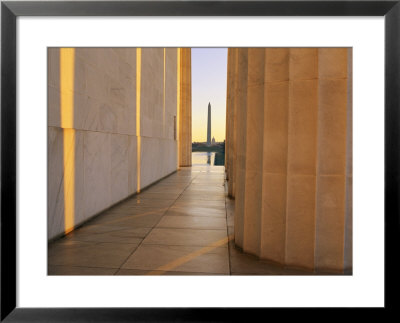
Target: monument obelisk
column 209, row 125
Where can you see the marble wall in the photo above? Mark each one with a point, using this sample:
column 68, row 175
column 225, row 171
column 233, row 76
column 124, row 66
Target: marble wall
column 289, row 151
column 104, row 112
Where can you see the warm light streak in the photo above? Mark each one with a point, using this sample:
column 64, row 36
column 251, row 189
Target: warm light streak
column 164, row 98
column 69, row 180
column 124, row 218
column 178, row 105
column 138, row 89
column 182, row 260
column 67, row 66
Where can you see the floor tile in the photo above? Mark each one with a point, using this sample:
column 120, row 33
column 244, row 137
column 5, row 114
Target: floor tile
column 184, row 237
column 159, row 195
column 140, row 202
column 89, row 254
column 169, row 221
column 246, row 264
column 148, row 257
column 196, row 211
column 118, row 235
column 192, row 222
column 200, row 203
column 141, row 220
column 81, row 271
column 202, row 196
column 133, row 272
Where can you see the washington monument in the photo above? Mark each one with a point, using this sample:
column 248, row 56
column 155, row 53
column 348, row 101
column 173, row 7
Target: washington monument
column 209, row 125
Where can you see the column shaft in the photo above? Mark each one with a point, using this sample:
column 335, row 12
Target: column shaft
column 185, row 115
column 348, row 238
column 302, row 151
column 331, row 159
column 276, row 108
column 254, row 146
column 232, row 124
column 241, row 128
column 289, row 148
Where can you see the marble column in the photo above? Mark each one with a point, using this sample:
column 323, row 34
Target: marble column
column 231, row 107
column 301, row 161
column 240, row 158
column 229, row 97
column 348, row 237
column 254, row 150
column 185, row 112
column 293, row 155
column 275, row 149
column 331, row 158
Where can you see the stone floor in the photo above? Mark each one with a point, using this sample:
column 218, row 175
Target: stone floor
column 182, row 225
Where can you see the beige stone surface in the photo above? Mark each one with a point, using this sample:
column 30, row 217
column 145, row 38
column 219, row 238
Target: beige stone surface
column 348, row 239
column 276, row 114
column 300, row 221
column 170, row 92
column 151, row 105
column 332, row 63
column 104, row 119
column 79, row 270
column 53, row 87
column 185, row 113
column 80, row 201
column 86, row 112
column 132, row 164
column 302, row 137
column 149, row 257
column 97, row 170
column 332, row 118
column 53, row 101
column 184, row 237
column 192, row 222
column 303, row 63
column 116, row 241
column 330, row 210
column 119, row 167
column 55, row 199
column 90, row 254
column 254, row 145
column 348, row 231
column 303, row 145
column 231, row 107
column 273, row 217
column 277, row 64
column 53, row 67
column 240, row 159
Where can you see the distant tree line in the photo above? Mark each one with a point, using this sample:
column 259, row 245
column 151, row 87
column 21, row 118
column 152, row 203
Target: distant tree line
column 218, row 148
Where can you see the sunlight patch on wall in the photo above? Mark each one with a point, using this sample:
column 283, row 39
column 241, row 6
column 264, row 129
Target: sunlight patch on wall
column 178, row 105
column 138, row 88
column 67, row 66
column 164, row 98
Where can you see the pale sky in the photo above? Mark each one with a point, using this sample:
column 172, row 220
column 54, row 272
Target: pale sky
column 209, row 67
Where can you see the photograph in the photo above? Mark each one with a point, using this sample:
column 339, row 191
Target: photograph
column 199, row 161
column 192, row 161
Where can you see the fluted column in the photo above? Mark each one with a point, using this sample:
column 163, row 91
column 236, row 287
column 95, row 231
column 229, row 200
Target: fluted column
column 348, row 237
column 185, row 112
column 240, row 158
column 254, row 149
column 302, row 152
column 331, row 158
column 229, row 99
column 293, row 155
column 275, row 148
column 231, row 107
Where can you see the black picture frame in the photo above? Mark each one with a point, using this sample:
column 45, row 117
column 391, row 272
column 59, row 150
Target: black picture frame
column 10, row 10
